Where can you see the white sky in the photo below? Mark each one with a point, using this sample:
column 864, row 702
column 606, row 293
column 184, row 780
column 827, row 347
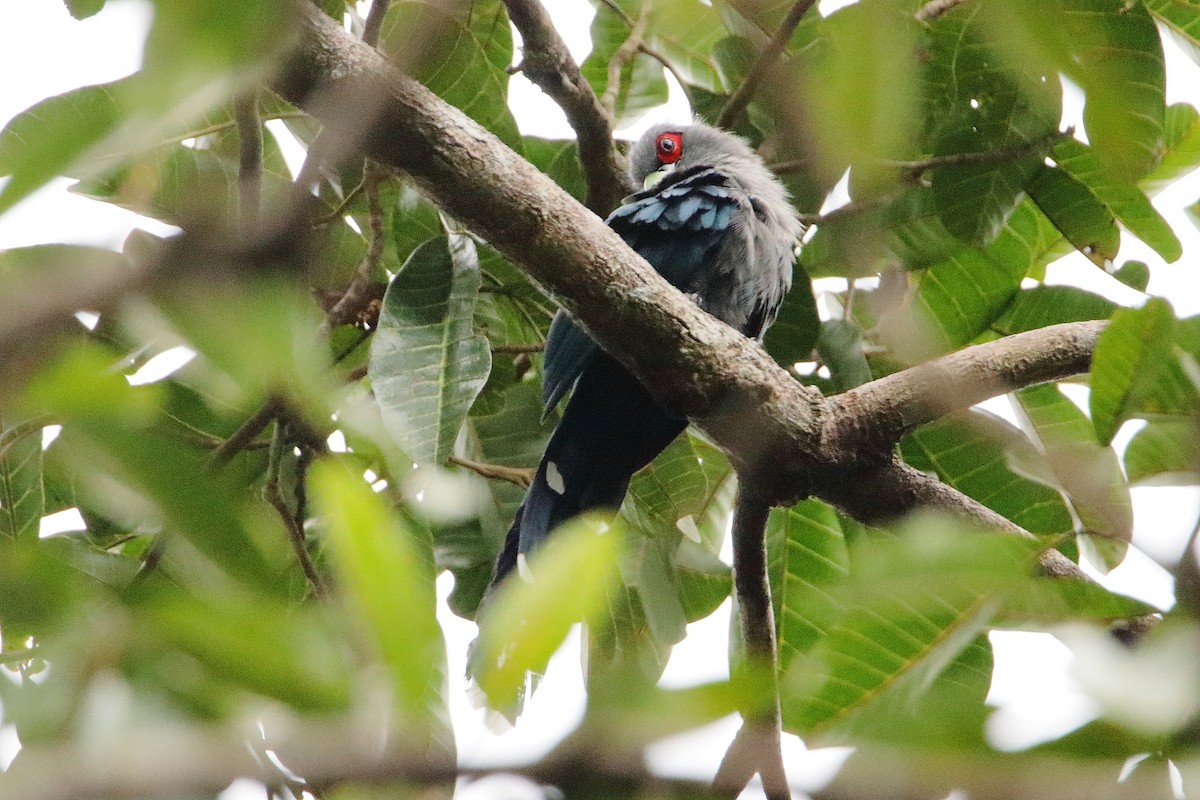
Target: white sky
column 1036, row 696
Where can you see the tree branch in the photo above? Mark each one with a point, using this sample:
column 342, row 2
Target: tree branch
column 514, row 475
column 893, row 489
column 756, row 748
column 628, row 49
column 374, row 23
column 876, row 415
column 742, row 96
column 548, row 64
column 250, row 163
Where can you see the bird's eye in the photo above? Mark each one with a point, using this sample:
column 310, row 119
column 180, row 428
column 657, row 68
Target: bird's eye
column 669, row 147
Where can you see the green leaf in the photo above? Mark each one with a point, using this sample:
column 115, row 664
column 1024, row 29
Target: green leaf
column 427, row 364
column 1130, row 355
column 387, row 572
column 263, row 646
column 1088, row 473
column 973, row 452
column 867, row 53
column 685, row 34
column 674, row 494
column 798, row 325
column 704, row 580
column 841, row 348
column 180, row 185
column 1134, row 274
column 50, row 137
column 806, row 557
column 957, row 299
column 1181, row 18
column 1040, row 306
column 1181, row 132
column 1117, row 59
column 980, row 100
column 461, row 51
column 1164, row 453
column 82, row 9
column 918, row 237
column 1126, row 201
column 1040, row 601
column 1074, row 209
column 196, row 57
column 22, row 494
column 913, row 603
column 529, row 618
column 137, row 474
column 558, row 158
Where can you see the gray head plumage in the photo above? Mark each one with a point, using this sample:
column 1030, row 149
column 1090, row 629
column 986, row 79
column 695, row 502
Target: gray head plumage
column 704, row 145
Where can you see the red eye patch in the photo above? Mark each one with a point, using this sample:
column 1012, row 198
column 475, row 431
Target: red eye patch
column 669, row 147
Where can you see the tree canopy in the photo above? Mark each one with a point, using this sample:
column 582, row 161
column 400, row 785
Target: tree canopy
column 263, row 527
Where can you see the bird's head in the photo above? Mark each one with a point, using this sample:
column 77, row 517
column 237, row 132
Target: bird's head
column 669, row 147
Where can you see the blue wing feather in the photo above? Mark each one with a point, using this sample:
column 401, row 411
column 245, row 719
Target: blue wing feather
column 568, row 350
column 675, row 227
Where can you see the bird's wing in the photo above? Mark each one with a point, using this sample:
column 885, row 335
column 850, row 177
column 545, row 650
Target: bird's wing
column 675, row 226
column 568, row 350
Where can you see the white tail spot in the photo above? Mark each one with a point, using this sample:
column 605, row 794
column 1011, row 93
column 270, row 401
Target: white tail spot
column 554, row 478
column 687, row 526
column 523, row 568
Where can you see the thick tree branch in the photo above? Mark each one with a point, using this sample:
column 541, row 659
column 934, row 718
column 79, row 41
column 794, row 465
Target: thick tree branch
column 893, row 489
column 876, row 415
column 546, row 61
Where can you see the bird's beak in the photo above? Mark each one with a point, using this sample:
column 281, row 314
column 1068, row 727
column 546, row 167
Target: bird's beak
column 653, row 178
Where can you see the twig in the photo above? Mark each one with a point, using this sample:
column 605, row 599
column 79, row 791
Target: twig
column 547, row 63
column 339, row 212
column 628, row 49
column 274, row 497
column 244, row 435
column 250, row 158
column 757, row 745
column 517, row 349
column 935, row 8
column 514, row 475
column 848, row 210
column 374, row 23
column 981, row 157
column 357, row 294
column 741, row 96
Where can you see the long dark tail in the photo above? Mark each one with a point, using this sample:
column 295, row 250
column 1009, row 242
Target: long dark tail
column 610, row 429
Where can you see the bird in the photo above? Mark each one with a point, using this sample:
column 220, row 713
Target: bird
column 719, row 225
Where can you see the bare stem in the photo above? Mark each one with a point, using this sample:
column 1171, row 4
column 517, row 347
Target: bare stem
column 757, row 745
column 374, row 22
column 547, row 62
column 250, row 164
column 628, row 49
column 357, row 295
column 243, row 436
column 766, row 60
column 514, row 475
column 273, row 496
